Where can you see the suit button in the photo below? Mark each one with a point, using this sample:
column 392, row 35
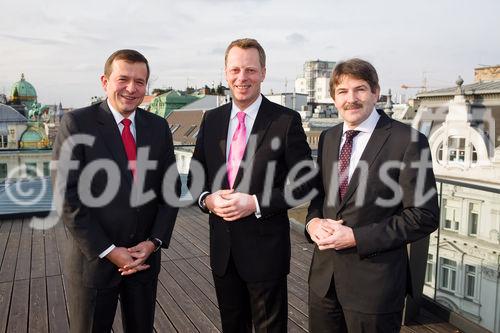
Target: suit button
column 131, row 236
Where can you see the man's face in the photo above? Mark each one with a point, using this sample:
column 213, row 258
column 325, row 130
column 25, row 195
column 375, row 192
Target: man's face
column 126, row 85
column 354, row 100
column 244, row 75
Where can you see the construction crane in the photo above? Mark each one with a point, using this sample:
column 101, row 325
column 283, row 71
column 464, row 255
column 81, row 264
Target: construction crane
column 405, row 86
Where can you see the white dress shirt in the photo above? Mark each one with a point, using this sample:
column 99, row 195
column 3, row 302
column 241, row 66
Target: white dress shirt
column 359, row 142
column 118, row 118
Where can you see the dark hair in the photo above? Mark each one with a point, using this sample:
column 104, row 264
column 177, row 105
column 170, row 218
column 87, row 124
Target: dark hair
column 127, row 55
column 247, row 43
column 357, row 68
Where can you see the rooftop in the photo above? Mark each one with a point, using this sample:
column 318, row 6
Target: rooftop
column 33, row 294
column 476, row 88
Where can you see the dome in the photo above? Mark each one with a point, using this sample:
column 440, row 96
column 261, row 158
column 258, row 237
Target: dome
column 23, row 92
column 31, row 136
column 33, row 139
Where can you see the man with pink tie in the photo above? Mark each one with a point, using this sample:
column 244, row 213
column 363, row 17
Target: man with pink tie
column 246, row 149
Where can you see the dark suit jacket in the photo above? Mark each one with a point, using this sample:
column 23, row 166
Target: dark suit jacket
column 260, row 247
column 373, row 277
column 94, row 229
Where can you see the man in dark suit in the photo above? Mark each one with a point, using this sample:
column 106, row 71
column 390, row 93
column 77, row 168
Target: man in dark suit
column 377, row 193
column 112, row 200
column 245, row 150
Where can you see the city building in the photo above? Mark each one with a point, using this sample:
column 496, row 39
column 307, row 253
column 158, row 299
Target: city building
column 315, row 81
column 163, row 104
column 294, row 101
column 25, row 125
column 463, row 266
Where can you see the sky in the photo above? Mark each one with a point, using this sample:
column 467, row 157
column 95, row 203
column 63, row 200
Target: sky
column 61, row 46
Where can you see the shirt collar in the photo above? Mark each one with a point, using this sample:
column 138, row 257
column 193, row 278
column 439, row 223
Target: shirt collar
column 118, row 116
column 368, row 125
column 250, row 111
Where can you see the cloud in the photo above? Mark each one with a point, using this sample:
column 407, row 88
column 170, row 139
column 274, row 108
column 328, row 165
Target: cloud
column 218, row 51
column 34, row 40
column 296, row 38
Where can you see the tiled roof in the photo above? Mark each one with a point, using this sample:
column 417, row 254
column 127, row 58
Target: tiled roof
column 9, row 114
column 184, row 126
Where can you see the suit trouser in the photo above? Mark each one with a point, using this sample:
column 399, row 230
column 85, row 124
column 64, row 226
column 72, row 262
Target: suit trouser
column 327, row 315
column 93, row 310
column 265, row 303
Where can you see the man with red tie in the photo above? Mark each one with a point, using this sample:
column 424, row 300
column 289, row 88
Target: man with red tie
column 377, row 193
column 246, row 149
column 115, row 238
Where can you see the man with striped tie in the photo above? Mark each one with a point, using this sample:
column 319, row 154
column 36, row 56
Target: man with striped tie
column 377, row 193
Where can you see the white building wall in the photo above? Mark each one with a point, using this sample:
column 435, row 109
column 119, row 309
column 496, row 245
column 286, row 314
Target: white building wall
column 16, row 162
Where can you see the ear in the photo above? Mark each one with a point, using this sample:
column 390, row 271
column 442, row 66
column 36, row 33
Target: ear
column 377, row 92
column 263, row 74
column 104, row 81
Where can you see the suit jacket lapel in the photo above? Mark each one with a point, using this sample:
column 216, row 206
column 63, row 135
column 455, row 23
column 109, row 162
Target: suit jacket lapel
column 330, row 157
column 379, row 136
column 220, row 129
column 142, row 134
column 259, row 129
column 112, row 139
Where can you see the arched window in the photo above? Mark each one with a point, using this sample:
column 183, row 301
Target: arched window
column 456, row 149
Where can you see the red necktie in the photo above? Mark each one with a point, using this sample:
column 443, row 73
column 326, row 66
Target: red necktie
column 236, row 149
column 129, row 144
column 344, row 159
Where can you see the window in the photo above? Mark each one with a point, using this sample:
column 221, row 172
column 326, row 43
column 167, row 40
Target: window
column 3, row 141
column 456, row 149
column 31, row 170
column 474, row 155
column 470, row 281
column 3, row 170
column 190, row 129
column 440, row 153
column 46, row 169
column 174, row 128
column 448, row 274
column 429, row 272
column 450, row 216
column 473, row 218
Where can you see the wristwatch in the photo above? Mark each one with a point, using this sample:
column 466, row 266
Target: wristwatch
column 156, row 242
column 203, row 205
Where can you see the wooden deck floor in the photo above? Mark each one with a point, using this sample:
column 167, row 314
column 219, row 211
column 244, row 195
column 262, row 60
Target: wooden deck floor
column 32, row 293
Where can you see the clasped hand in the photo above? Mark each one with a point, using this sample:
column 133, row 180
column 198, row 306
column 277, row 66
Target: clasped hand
column 331, row 234
column 131, row 260
column 230, row 205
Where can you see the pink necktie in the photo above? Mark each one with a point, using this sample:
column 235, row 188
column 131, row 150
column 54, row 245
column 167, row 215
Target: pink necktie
column 129, row 144
column 344, row 159
column 236, row 149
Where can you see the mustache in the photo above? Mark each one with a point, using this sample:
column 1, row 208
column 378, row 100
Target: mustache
column 354, row 105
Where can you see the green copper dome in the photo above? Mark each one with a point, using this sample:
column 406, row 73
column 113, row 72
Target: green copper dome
column 23, row 92
column 31, row 136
